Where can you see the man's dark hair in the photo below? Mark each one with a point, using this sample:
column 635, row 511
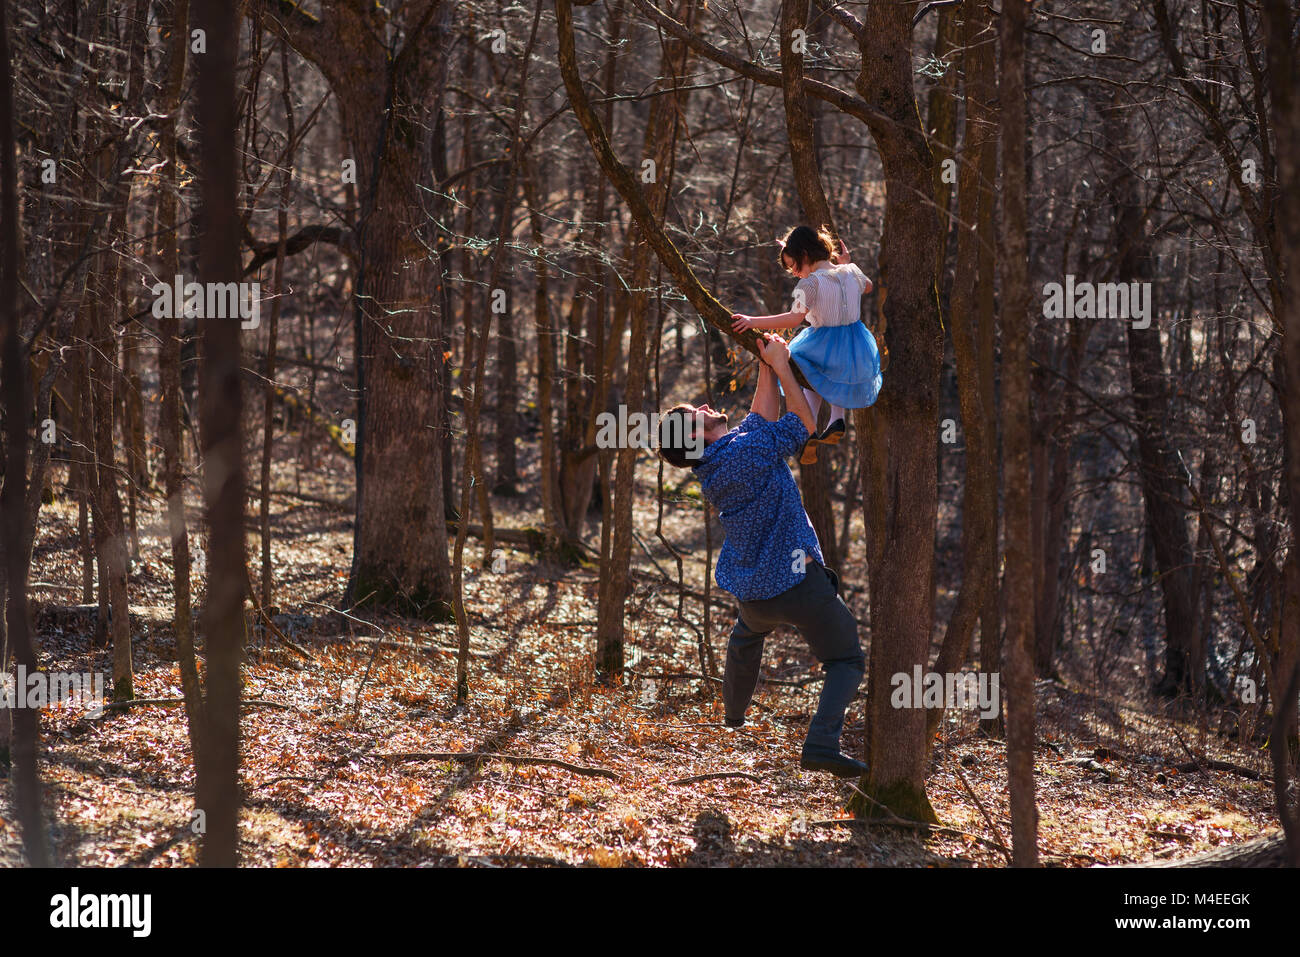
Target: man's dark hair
column 677, row 444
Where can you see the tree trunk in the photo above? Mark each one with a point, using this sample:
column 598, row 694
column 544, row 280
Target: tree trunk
column 110, row 530
column 1284, row 95
column 899, row 473
column 941, row 124
column 662, row 131
column 507, row 382
column 979, row 498
column 1159, row 467
column 1016, row 327
column 1267, row 851
column 272, row 333
column 388, row 114
column 476, row 361
column 800, row 122
column 221, row 408
column 15, row 399
column 551, row 517
column 169, row 375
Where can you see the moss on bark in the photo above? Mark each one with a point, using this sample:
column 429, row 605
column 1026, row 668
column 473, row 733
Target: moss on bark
column 377, row 592
column 123, row 690
column 901, row 798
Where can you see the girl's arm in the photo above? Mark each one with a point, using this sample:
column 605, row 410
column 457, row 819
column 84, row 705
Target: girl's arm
column 785, row 320
column 845, row 258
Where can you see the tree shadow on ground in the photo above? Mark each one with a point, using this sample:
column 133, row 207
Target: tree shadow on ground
column 866, row 846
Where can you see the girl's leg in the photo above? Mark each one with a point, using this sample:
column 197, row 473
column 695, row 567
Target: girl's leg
column 814, row 402
column 833, row 433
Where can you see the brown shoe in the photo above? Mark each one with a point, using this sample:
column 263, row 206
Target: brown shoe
column 809, row 455
column 833, row 433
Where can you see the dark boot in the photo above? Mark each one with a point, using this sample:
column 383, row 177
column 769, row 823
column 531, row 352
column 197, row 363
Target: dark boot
column 832, row 762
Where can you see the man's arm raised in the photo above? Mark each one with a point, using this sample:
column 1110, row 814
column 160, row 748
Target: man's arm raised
column 776, row 354
column 767, row 401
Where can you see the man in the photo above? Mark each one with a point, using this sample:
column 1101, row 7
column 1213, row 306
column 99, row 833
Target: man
column 771, row 560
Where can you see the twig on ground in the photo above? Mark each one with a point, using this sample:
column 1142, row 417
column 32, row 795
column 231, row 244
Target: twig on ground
column 477, row 756
column 1195, row 764
column 1226, row 766
column 757, row 779
column 348, row 616
column 1191, row 754
column 978, row 803
column 169, row 702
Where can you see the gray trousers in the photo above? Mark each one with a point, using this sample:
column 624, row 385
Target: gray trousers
column 815, row 608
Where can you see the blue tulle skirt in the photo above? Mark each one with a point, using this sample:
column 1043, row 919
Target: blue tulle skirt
column 841, row 363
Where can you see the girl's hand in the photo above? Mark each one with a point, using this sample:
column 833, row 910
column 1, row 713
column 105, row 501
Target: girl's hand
column 845, row 256
column 742, row 323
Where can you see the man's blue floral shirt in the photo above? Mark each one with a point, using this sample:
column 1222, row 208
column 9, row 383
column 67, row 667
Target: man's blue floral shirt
column 744, row 476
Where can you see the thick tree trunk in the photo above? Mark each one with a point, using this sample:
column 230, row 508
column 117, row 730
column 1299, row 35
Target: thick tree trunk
column 15, row 399
column 220, row 417
column 1016, row 327
column 1280, row 23
column 1052, row 543
column 900, row 487
column 388, row 110
column 986, row 344
column 1267, row 851
column 400, row 542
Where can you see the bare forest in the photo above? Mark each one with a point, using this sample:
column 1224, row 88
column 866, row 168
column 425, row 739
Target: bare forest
column 338, row 526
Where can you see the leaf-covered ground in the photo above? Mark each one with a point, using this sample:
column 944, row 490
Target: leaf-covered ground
column 344, row 764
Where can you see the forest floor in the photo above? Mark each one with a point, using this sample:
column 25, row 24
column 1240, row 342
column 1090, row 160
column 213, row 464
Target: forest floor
column 348, row 767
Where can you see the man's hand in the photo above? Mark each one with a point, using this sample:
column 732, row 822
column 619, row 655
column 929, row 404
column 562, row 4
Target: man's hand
column 774, row 351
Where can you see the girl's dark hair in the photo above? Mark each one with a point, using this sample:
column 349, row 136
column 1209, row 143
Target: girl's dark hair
column 805, row 245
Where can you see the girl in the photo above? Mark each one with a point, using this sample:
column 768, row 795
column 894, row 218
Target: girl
column 837, row 354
